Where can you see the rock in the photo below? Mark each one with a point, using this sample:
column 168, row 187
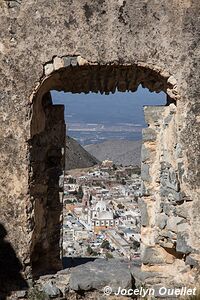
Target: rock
column 74, row 61
column 167, row 120
column 142, row 276
column 153, row 114
column 144, row 189
column 167, row 208
column 149, row 134
column 172, row 223
column 145, row 153
column 182, row 210
column 169, row 234
column 100, row 273
column 179, row 152
column 192, row 260
column 169, row 179
column 171, row 80
column 81, row 61
column 51, row 290
column 58, row 63
column 162, row 221
column 48, row 69
column 21, row 294
column 166, row 242
column 144, row 213
column 182, row 227
column 67, row 61
column 145, row 172
column 152, row 256
column 171, row 195
column 182, row 244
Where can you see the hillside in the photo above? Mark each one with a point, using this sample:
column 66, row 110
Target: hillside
column 119, row 151
column 76, row 156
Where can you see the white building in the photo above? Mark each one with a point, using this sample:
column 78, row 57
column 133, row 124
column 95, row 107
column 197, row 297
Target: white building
column 100, row 216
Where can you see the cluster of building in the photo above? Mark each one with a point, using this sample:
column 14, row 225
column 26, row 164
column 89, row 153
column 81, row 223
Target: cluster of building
column 100, row 212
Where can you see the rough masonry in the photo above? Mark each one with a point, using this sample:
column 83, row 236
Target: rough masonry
column 81, row 46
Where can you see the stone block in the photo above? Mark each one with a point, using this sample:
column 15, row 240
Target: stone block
column 171, row 196
column 145, row 172
column 169, row 178
column 144, row 212
column 161, row 221
column 172, row 81
column 144, row 190
column 153, row 114
column 192, row 260
column 182, row 243
column 179, row 152
column 67, row 61
column 152, row 256
column 172, row 223
column 145, row 153
column 169, row 235
column 182, row 227
column 167, row 120
column 182, row 210
column 166, row 243
column 48, row 69
column 81, row 61
column 58, row 63
column 74, row 61
column 180, row 170
column 149, row 135
column 166, row 207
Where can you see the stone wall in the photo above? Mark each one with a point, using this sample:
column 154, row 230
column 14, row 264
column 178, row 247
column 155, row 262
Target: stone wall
column 159, row 36
column 46, row 166
column 166, row 206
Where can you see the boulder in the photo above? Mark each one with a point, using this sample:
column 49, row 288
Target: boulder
column 101, row 273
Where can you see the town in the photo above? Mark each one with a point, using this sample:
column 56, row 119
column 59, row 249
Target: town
column 101, row 217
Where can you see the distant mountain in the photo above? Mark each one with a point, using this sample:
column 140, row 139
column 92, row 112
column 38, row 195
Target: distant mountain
column 119, row 151
column 76, row 156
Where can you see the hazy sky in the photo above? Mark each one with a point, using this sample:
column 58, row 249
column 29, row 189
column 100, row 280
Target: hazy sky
column 112, row 109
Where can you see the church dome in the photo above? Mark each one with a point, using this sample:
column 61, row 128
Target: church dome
column 101, row 206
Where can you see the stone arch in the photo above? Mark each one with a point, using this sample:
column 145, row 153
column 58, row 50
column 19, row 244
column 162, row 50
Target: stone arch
column 74, row 74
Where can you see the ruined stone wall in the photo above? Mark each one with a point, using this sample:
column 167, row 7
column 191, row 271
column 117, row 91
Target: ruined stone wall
column 160, row 35
column 45, row 210
column 167, row 244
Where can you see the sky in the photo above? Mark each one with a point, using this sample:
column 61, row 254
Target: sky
column 109, row 109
